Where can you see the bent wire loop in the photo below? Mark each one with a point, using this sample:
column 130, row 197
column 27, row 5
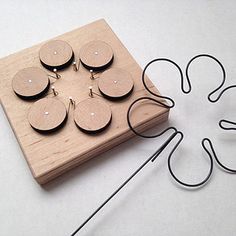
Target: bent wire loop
column 176, row 132
column 158, row 100
column 222, row 122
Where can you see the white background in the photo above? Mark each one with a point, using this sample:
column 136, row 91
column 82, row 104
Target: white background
column 152, row 204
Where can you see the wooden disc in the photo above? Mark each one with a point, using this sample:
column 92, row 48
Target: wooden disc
column 30, row 83
column 96, row 55
column 56, row 54
column 115, row 83
column 92, row 115
column 47, row 114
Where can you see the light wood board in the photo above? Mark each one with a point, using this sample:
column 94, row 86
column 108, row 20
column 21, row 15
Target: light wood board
column 48, row 156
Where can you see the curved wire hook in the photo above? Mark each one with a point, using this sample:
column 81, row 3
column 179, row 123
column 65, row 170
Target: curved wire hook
column 140, row 134
column 223, row 77
column 158, row 102
column 221, row 122
column 176, row 178
column 157, row 95
column 224, row 167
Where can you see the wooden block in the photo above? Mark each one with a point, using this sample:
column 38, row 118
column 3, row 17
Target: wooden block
column 50, row 155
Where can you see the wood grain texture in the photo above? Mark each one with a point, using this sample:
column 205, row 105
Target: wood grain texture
column 47, row 114
column 55, row 54
column 30, row 82
column 51, row 155
column 92, row 115
column 115, row 83
column 96, row 55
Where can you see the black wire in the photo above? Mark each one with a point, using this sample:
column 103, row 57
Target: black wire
column 159, row 103
column 215, row 90
column 173, row 135
column 172, row 151
column 222, row 122
column 223, row 77
column 201, row 183
column 151, row 158
column 140, row 134
column 215, row 156
column 158, row 95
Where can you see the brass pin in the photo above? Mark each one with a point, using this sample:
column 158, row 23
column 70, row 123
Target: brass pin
column 71, row 103
column 56, row 73
column 91, row 91
column 75, row 66
column 54, row 91
column 91, row 74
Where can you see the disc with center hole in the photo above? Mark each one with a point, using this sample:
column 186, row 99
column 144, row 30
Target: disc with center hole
column 92, row 115
column 56, row 54
column 96, row 55
column 115, row 83
column 47, row 114
column 30, row 83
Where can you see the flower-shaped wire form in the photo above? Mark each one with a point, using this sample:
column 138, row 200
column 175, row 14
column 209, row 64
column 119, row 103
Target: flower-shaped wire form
column 210, row 149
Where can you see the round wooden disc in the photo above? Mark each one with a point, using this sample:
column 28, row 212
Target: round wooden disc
column 96, row 55
column 92, row 115
column 115, row 83
column 56, row 54
column 47, row 114
column 30, row 83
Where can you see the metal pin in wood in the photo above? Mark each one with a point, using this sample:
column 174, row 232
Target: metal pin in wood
column 71, row 103
column 91, row 74
column 54, row 91
column 56, row 73
column 91, row 91
column 75, row 66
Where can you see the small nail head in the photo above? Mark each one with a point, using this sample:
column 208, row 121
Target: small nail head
column 54, row 70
